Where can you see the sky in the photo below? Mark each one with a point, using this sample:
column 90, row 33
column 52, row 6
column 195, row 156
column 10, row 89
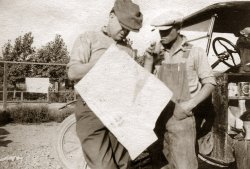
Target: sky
column 69, row 18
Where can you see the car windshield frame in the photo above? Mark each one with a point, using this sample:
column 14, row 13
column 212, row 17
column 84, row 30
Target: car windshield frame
column 225, row 17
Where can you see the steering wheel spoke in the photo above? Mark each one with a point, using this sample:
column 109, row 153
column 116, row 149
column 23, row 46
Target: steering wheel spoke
column 226, row 55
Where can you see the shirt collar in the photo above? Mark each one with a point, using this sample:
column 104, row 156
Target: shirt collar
column 180, row 46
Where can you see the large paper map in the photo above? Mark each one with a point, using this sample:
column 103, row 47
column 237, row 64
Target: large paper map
column 125, row 97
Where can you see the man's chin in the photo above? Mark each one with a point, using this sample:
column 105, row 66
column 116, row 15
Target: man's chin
column 165, row 42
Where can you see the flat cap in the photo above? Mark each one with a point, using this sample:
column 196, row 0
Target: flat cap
column 167, row 20
column 128, row 14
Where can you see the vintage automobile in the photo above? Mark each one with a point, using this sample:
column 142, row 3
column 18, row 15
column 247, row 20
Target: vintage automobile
column 226, row 18
column 215, row 127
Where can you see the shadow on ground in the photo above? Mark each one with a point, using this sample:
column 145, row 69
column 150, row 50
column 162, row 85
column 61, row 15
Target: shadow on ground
column 3, row 135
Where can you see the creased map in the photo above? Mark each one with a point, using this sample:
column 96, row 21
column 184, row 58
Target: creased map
column 126, row 98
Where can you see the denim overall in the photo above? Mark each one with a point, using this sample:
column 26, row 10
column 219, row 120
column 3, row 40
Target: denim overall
column 180, row 135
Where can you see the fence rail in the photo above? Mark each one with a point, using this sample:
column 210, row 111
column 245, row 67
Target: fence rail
column 27, row 97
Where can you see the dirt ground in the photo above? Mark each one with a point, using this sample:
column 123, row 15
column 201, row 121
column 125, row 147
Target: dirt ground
column 28, row 146
column 32, row 147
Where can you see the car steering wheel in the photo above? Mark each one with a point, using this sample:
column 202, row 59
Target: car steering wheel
column 225, row 55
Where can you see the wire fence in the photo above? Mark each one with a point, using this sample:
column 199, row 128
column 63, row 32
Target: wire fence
column 50, row 97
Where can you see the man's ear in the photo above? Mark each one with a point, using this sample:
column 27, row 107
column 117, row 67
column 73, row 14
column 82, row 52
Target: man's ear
column 178, row 28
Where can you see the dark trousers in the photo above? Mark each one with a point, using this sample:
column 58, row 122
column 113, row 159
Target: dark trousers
column 100, row 147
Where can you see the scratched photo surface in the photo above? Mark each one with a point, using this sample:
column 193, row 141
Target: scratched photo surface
column 37, row 121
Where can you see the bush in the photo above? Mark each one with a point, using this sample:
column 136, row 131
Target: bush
column 61, row 97
column 59, row 116
column 4, row 118
column 33, row 114
column 29, row 114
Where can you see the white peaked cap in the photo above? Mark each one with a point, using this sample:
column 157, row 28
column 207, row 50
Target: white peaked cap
column 167, row 19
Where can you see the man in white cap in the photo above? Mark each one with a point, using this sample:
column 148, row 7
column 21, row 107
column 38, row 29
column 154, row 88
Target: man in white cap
column 100, row 147
column 186, row 71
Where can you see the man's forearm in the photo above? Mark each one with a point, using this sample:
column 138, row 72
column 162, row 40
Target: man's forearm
column 78, row 71
column 187, row 106
column 205, row 91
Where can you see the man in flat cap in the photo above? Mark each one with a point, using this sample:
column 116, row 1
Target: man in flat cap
column 100, row 147
column 186, row 71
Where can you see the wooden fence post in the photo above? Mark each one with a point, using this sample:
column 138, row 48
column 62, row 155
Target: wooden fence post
column 21, row 96
column 5, row 86
column 48, row 97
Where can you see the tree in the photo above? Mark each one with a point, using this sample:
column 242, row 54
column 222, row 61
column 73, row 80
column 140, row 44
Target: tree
column 53, row 52
column 22, row 50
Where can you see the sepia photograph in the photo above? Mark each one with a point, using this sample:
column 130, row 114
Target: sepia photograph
column 124, row 84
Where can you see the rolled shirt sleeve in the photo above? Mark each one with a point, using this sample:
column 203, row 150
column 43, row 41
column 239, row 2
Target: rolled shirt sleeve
column 80, row 52
column 203, row 68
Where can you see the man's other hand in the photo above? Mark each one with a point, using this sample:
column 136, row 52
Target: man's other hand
column 183, row 110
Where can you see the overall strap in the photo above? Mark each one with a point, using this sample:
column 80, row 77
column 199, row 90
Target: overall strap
column 188, row 47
